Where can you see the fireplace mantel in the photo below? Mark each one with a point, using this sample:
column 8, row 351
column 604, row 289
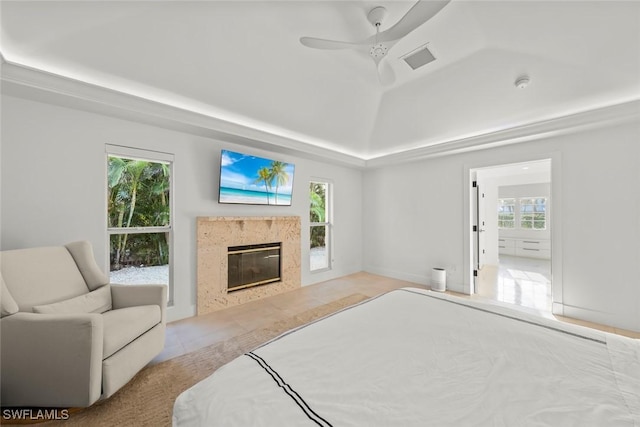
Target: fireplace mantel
column 217, row 234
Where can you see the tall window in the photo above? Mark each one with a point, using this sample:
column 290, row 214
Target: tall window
column 533, row 213
column 506, row 213
column 139, row 216
column 320, row 226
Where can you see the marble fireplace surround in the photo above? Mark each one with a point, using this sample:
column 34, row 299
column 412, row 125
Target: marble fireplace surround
column 217, row 234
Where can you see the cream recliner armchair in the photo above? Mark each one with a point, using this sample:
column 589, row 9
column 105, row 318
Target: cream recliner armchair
column 68, row 337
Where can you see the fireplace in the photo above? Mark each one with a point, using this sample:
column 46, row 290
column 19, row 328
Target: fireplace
column 217, row 234
column 253, row 265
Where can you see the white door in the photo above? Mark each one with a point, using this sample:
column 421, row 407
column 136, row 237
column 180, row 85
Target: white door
column 482, row 236
column 479, row 236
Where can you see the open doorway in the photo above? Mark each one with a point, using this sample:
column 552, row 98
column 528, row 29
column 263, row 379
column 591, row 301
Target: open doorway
column 512, row 234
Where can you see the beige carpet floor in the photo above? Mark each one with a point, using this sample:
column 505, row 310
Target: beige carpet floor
column 148, row 399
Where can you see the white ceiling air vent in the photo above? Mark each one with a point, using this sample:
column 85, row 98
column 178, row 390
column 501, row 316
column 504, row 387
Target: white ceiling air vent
column 418, row 57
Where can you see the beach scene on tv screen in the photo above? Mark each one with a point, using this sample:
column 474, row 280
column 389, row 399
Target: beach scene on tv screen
column 254, row 180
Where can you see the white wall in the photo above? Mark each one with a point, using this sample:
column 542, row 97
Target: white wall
column 53, row 188
column 414, row 218
column 409, row 218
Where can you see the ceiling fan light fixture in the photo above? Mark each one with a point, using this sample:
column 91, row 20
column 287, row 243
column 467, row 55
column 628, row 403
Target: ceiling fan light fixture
column 378, row 50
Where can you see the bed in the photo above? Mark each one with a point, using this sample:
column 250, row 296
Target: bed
column 412, row 357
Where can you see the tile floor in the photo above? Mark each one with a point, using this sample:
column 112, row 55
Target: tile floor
column 525, row 282
column 190, row 334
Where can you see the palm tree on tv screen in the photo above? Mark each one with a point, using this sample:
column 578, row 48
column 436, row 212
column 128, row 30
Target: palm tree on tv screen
column 264, row 175
column 279, row 175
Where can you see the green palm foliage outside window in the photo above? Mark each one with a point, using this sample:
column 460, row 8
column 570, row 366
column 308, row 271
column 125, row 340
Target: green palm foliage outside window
column 320, row 227
column 317, row 213
column 138, row 199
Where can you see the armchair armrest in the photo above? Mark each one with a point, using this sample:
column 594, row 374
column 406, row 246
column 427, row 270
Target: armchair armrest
column 123, row 296
column 51, row 360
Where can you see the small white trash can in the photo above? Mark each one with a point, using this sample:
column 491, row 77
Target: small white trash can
column 439, row 279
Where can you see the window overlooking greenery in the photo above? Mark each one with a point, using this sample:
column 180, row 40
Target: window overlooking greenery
column 506, row 213
column 139, row 220
column 319, row 225
column 533, row 213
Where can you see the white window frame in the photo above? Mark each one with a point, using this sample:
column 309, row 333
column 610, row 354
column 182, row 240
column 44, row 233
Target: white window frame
column 521, row 203
column 328, row 223
column 152, row 156
column 500, row 204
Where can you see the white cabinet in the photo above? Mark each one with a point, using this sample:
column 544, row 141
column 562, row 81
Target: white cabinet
column 530, row 248
column 506, row 246
column 533, row 248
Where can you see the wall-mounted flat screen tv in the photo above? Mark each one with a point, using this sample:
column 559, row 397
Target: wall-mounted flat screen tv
column 253, row 180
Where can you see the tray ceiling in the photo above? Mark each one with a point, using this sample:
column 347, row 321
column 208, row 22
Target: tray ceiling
column 242, row 62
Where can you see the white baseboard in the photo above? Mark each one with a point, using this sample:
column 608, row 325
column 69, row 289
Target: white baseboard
column 176, row 313
column 410, row 277
column 557, row 308
column 603, row 318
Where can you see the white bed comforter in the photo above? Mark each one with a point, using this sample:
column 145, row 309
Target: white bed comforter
column 416, row 358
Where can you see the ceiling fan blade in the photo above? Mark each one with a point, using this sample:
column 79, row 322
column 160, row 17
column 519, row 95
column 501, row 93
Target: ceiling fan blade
column 327, row 44
column 420, row 13
column 386, row 76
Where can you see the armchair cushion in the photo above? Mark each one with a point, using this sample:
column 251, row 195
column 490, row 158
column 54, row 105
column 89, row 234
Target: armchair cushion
column 124, row 325
column 82, row 254
column 41, row 276
column 134, row 295
column 97, row 301
column 9, row 305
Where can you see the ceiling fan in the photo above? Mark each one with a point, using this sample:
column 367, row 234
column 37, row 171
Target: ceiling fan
column 377, row 46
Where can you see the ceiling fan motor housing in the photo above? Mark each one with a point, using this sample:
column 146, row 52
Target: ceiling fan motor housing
column 378, row 50
column 376, row 15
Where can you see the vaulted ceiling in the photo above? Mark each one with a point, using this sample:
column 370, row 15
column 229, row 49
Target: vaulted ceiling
column 242, row 62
